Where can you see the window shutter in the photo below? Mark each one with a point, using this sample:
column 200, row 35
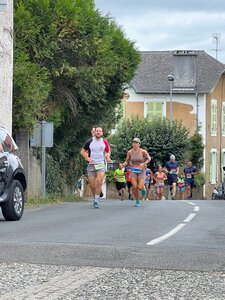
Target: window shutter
column 216, row 167
column 210, row 167
column 213, row 117
column 155, row 109
column 223, row 119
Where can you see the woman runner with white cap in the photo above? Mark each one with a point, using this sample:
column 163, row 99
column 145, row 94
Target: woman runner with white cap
column 139, row 159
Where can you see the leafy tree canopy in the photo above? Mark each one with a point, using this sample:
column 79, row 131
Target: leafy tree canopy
column 70, row 66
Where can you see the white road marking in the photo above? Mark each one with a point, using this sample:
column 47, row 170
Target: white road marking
column 196, row 208
column 189, row 218
column 166, row 236
column 176, row 229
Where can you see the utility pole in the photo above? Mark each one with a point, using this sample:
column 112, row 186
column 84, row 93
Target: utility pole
column 171, row 79
column 216, row 41
column 6, row 63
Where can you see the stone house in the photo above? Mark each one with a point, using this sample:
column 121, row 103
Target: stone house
column 198, row 100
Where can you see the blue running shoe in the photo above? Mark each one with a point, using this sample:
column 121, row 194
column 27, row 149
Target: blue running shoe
column 138, row 203
column 95, row 204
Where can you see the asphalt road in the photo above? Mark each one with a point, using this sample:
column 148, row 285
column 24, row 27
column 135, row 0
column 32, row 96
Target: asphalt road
column 159, row 235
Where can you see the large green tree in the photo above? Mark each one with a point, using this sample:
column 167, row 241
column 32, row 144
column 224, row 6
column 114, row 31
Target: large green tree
column 71, row 63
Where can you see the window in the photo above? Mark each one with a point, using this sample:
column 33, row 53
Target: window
column 223, row 118
column 213, row 117
column 154, row 109
column 3, row 5
column 213, row 166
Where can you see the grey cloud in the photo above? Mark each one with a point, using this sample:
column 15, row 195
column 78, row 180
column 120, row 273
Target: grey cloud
column 121, row 6
column 168, row 25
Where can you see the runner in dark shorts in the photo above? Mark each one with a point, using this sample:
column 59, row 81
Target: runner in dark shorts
column 189, row 172
column 172, row 170
column 128, row 181
column 119, row 175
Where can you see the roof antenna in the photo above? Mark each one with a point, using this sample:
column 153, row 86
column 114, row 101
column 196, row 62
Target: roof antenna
column 216, row 40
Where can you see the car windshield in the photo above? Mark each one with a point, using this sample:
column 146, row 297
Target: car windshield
column 7, row 143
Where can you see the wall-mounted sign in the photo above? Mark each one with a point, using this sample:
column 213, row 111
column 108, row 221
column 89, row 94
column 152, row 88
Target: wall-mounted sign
column 3, row 5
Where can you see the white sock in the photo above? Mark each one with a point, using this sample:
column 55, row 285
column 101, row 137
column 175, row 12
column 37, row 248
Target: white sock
column 97, row 198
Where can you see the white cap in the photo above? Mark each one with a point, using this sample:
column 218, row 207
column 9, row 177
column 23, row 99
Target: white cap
column 137, row 140
column 172, row 156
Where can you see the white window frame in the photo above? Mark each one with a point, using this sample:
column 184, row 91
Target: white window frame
column 213, row 125
column 214, row 162
column 223, row 119
column 222, row 160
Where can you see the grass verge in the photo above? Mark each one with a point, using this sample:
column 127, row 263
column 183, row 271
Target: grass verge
column 51, row 199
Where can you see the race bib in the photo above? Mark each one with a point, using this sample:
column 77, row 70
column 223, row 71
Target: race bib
column 136, row 170
column 100, row 166
column 189, row 175
column 173, row 171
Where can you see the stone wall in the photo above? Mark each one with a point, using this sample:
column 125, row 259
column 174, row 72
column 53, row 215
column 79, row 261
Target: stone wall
column 31, row 164
column 6, row 63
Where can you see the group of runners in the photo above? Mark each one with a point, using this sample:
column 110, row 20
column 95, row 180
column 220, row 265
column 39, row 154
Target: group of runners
column 133, row 173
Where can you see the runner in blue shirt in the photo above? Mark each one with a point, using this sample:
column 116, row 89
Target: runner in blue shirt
column 189, row 172
column 172, row 169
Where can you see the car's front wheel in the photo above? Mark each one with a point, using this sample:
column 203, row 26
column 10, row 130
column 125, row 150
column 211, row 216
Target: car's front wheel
column 12, row 210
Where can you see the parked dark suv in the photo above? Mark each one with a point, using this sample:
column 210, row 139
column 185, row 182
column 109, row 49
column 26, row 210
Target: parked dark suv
column 12, row 178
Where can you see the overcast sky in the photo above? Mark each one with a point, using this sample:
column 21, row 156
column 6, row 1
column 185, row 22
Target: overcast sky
column 170, row 25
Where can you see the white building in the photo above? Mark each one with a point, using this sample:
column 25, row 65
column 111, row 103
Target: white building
column 6, row 62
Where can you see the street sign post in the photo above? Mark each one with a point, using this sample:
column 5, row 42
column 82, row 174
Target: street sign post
column 43, row 137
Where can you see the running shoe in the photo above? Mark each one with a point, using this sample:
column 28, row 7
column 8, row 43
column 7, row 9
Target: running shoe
column 95, row 204
column 138, row 203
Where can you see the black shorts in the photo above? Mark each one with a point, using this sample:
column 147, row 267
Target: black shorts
column 172, row 179
column 190, row 182
column 129, row 184
column 120, row 185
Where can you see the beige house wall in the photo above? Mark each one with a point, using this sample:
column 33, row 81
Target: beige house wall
column 218, row 141
column 133, row 109
column 182, row 112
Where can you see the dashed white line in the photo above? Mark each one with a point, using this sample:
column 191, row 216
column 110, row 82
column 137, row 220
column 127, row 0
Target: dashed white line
column 177, row 228
column 166, row 236
column 196, row 208
column 189, row 218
